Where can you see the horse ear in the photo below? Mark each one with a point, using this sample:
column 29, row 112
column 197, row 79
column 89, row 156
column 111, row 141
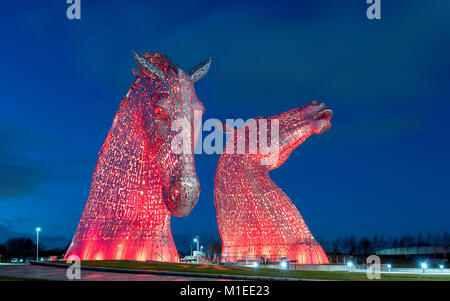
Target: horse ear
column 147, row 66
column 200, row 70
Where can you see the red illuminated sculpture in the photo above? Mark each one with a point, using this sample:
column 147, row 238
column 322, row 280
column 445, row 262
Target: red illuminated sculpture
column 139, row 181
column 256, row 219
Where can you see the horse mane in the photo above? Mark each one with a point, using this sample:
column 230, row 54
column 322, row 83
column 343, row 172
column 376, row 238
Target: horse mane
column 161, row 61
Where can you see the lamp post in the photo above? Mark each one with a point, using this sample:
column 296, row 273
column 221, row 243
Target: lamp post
column 349, row 265
column 37, row 243
column 197, row 240
column 424, row 266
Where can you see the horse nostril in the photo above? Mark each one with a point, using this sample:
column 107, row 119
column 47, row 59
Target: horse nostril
column 185, row 190
column 176, row 192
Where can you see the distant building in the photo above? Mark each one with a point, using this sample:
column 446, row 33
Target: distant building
column 196, row 257
column 437, row 250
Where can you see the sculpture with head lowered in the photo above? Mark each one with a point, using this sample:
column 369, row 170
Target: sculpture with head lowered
column 139, row 181
column 257, row 220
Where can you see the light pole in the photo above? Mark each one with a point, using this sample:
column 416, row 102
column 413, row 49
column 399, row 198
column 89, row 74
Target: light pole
column 424, row 266
column 37, row 243
column 349, row 265
column 197, row 240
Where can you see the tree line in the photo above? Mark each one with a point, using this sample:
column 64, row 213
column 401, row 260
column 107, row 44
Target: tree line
column 23, row 247
column 350, row 244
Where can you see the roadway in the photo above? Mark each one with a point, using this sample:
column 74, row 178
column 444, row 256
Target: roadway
column 51, row 273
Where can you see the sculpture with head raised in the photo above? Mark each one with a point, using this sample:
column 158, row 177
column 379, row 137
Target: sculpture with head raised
column 256, row 218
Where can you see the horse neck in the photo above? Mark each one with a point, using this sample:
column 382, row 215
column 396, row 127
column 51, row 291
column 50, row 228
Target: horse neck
column 243, row 185
column 126, row 163
column 238, row 174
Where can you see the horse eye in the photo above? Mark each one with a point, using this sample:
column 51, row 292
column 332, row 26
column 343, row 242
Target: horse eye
column 159, row 113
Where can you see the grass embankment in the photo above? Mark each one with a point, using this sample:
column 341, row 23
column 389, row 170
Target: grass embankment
column 265, row 272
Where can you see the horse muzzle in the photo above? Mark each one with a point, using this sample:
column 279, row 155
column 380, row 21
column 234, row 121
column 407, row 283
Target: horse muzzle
column 183, row 196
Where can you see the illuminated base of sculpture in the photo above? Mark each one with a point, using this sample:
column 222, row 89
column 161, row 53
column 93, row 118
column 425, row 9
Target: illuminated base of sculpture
column 300, row 253
column 120, row 250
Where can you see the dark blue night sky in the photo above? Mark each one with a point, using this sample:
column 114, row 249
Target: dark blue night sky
column 382, row 168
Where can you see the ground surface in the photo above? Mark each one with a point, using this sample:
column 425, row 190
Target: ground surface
column 22, row 272
column 9, row 278
column 228, row 270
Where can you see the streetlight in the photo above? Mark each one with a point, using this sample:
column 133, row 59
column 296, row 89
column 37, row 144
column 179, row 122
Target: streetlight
column 424, row 266
column 441, row 266
column 349, row 264
column 37, row 243
column 197, row 240
column 389, row 267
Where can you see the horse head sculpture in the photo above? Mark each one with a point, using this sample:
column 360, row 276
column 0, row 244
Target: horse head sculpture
column 165, row 94
column 256, row 218
column 139, row 180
